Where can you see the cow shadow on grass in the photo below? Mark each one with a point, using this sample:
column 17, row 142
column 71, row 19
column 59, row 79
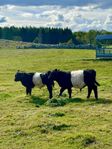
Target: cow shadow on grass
column 90, row 101
column 37, row 101
column 55, row 102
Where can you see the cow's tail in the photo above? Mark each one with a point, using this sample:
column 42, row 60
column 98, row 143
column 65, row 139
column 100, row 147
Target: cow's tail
column 94, row 74
column 97, row 83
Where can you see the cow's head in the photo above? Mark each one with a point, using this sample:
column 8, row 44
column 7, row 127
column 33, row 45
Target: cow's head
column 18, row 76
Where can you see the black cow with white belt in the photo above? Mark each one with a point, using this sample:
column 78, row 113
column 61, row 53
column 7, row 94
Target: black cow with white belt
column 30, row 80
column 77, row 79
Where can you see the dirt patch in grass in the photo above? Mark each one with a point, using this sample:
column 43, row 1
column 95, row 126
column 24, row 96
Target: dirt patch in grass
column 46, row 128
column 84, row 140
column 57, row 114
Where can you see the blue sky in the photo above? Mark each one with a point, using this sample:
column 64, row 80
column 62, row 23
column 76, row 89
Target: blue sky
column 75, row 14
column 100, row 3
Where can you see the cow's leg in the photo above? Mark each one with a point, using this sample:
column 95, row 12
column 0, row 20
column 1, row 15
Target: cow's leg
column 95, row 91
column 61, row 91
column 49, row 87
column 28, row 91
column 89, row 91
column 69, row 92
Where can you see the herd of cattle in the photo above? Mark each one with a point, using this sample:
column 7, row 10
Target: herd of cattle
column 66, row 80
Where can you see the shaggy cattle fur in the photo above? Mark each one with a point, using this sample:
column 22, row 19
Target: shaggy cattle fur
column 78, row 79
column 30, row 80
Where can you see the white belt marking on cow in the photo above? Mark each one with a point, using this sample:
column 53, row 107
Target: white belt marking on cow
column 37, row 80
column 77, row 78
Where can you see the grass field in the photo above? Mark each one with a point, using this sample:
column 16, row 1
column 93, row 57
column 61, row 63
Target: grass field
column 61, row 123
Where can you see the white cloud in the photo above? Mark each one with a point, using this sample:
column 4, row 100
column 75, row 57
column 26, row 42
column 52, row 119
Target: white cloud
column 108, row 22
column 27, row 15
column 3, row 19
column 74, row 17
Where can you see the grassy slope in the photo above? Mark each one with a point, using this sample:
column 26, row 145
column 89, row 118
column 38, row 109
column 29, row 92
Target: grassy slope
column 29, row 123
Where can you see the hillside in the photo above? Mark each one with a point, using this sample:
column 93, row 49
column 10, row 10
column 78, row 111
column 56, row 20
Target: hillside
column 10, row 44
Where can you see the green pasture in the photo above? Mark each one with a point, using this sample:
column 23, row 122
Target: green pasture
column 60, row 123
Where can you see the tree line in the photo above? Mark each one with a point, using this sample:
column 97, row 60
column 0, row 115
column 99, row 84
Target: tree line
column 49, row 35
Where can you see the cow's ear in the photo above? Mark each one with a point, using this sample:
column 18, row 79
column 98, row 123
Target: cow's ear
column 56, row 70
column 18, row 71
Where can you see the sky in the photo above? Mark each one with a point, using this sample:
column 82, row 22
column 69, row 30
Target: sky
column 78, row 15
